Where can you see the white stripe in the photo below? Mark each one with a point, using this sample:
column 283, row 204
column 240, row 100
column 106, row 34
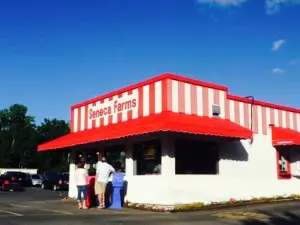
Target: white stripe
column 187, row 98
column 146, row 100
column 90, row 124
column 259, row 119
column 158, row 97
column 199, row 98
column 250, row 119
column 82, row 119
column 175, row 106
column 291, row 125
column 268, row 118
column 97, row 120
column 276, row 118
column 231, row 110
column 75, row 120
column 283, row 119
column 114, row 115
column 242, row 113
column 124, row 98
column 210, row 101
column 298, row 121
column 135, row 111
column 222, row 103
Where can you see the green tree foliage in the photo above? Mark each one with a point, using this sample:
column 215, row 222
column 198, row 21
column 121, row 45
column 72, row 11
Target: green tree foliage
column 20, row 136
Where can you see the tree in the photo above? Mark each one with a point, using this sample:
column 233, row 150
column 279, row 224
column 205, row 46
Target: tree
column 17, row 132
column 19, row 138
column 53, row 160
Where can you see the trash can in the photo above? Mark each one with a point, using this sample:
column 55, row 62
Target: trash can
column 117, row 187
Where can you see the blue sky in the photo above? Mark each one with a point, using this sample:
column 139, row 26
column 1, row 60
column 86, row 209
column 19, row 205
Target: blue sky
column 57, row 53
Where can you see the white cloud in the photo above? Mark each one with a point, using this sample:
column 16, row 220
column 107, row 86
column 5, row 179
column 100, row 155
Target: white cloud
column 223, row 2
column 278, row 70
column 274, row 6
column 278, row 44
column 295, row 62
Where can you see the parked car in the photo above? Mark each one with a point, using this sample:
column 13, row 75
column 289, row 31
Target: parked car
column 36, row 179
column 6, row 184
column 55, row 181
column 19, row 177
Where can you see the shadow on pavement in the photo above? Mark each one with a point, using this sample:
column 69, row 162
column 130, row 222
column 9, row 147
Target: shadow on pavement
column 283, row 219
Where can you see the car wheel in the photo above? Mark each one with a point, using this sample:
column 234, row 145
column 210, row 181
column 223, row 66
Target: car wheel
column 55, row 188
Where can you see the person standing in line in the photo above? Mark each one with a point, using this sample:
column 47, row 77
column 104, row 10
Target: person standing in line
column 103, row 171
column 80, row 179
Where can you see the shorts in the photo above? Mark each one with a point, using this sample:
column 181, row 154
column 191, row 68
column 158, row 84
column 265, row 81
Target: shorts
column 100, row 187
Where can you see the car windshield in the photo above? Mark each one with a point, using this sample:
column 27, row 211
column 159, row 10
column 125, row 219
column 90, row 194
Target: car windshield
column 35, row 176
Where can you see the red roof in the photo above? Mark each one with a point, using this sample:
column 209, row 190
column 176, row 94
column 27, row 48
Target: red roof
column 166, row 121
column 285, row 136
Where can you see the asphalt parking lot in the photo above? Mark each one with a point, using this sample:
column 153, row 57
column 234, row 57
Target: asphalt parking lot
column 38, row 206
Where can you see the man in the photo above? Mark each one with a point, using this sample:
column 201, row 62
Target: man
column 103, row 171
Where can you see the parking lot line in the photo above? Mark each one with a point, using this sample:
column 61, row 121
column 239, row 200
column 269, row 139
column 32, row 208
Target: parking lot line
column 21, row 206
column 56, row 211
column 42, row 209
column 11, row 213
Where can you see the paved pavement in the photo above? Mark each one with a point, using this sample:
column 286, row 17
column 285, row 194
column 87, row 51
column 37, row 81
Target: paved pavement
column 37, row 206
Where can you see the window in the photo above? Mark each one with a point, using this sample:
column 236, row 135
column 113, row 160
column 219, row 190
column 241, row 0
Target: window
column 148, row 157
column 116, row 156
column 196, row 157
column 283, row 163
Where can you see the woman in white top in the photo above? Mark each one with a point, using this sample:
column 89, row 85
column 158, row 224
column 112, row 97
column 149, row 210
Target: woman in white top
column 80, row 179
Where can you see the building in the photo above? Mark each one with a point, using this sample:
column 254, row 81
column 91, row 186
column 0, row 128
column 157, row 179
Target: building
column 211, row 145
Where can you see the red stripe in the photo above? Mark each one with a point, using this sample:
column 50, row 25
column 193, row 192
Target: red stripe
column 264, row 120
column 216, row 97
column 170, row 96
column 246, row 115
column 181, row 97
column 227, row 109
column 119, row 119
column 94, row 121
column 193, row 99
column 272, row 117
column 295, row 121
column 72, row 121
column 237, row 112
column 110, row 117
column 205, row 101
column 288, row 119
column 280, row 118
column 152, row 99
column 255, row 119
column 129, row 112
column 86, row 119
column 141, row 105
column 78, row 119
column 165, row 96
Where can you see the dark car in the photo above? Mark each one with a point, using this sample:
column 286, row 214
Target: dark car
column 55, row 181
column 6, row 184
column 19, row 177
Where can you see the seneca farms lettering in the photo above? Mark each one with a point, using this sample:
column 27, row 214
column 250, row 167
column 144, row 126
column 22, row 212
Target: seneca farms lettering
column 112, row 107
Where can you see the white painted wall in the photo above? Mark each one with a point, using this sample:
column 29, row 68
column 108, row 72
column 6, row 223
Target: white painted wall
column 30, row 171
column 246, row 171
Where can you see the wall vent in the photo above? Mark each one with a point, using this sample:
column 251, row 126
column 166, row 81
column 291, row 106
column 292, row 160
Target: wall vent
column 216, row 110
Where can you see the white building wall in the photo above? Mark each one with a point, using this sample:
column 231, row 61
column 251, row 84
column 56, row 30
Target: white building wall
column 246, row 171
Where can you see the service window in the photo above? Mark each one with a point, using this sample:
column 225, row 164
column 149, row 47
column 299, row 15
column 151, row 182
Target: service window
column 283, row 163
column 147, row 155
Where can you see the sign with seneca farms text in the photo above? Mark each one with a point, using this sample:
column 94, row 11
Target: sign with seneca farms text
column 108, row 108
